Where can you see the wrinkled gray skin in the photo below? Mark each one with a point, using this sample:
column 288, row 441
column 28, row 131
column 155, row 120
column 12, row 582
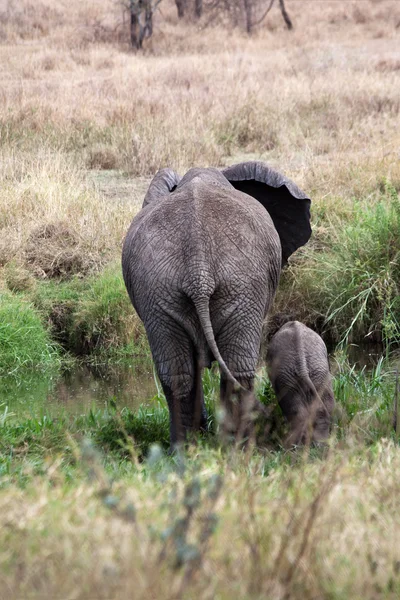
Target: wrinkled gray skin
column 298, row 368
column 201, row 263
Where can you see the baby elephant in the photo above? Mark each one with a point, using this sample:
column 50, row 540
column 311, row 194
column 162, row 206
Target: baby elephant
column 298, row 368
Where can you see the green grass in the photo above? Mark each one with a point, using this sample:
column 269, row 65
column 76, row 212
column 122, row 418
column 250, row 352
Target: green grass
column 25, row 343
column 349, row 286
column 364, row 411
column 93, row 316
column 104, row 316
column 118, row 431
column 94, row 502
column 345, row 284
column 248, row 525
column 53, row 321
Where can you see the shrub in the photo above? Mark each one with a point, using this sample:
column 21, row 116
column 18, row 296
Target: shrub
column 92, row 315
column 360, row 275
column 352, row 287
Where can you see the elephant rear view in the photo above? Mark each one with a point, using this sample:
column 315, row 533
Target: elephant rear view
column 298, row 368
column 201, row 263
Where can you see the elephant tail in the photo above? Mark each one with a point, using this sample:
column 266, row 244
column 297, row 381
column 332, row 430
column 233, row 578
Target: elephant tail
column 203, row 312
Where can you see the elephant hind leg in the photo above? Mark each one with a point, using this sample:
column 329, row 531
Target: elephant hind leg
column 186, row 406
column 238, row 406
column 238, row 340
column 180, row 375
column 199, row 409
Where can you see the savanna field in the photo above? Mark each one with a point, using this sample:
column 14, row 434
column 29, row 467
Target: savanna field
column 91, row 504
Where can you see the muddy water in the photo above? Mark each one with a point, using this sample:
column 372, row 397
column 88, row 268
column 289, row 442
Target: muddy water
column 78, row 392
column 364, row 355
column 84, row 389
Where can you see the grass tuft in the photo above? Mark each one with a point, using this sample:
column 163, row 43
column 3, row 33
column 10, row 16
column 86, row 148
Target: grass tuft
column 104, row 316
column 24, row 341
column 92, row 316
column 350, row 286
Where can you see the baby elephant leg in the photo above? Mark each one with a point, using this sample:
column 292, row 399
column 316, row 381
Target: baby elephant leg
column 323, row 410
column 180, row 376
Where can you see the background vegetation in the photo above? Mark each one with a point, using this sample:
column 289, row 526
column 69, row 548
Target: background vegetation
column 85, row 123
column 89, row 507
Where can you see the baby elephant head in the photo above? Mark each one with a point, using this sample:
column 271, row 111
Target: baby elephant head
column 308, row 417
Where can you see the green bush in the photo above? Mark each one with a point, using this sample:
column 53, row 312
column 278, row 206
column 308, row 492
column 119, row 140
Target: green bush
column 361, row 273
column 93, row 316
column 353, row 285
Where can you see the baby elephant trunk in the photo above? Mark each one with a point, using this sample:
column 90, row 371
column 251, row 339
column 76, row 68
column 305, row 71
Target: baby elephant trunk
column 308, row 418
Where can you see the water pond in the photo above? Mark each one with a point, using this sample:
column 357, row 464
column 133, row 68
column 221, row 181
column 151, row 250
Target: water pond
column 78, row 391
column 83, row 389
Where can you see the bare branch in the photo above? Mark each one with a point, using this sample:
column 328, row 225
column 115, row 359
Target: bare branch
column 285, row 15
column 265, row 14
column 141, row 20
column 180, row 6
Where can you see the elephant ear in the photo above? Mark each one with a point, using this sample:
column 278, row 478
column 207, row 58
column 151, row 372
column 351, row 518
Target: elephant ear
column 287, row 205
column 163, row 183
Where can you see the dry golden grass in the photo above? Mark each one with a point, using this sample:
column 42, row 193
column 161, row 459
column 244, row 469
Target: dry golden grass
column 316, row 530
column 321, row 103
column 53, row 221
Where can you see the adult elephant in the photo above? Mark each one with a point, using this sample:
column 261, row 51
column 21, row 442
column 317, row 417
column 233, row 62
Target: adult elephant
column 201, row 263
